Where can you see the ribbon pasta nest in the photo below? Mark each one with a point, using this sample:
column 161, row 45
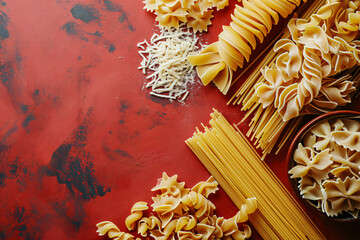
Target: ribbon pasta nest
column 328, row 166
column 182, row 213
column 195, row 13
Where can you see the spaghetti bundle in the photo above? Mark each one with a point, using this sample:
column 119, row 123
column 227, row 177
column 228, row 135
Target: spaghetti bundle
column 311, row 72
column 250, row 23
column 238, row 168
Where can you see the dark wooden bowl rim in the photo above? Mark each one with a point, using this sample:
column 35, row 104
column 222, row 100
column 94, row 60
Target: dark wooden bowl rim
column 291, row 163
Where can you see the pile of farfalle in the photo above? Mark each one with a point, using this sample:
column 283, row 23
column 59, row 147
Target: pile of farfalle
column 328, row 165
column 195, row 13
column 182, row 213
column 303, row 79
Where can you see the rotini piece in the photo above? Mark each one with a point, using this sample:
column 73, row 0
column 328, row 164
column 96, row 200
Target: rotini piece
column 203, row 207
column 196, row 14
column 136, row 214
column 250, row 23
column 207, row 187
column 113, row 231
column 328, row 167
column 229, row 226
column 166, row 207
column 148, row 223
column 186, row 223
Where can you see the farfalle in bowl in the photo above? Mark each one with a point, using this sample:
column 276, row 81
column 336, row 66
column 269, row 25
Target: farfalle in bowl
column 324, row 165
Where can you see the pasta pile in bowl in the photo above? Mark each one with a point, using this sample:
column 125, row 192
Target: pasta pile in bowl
column 324, row 164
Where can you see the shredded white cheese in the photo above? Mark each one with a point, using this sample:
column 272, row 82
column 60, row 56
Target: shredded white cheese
column 164, row 60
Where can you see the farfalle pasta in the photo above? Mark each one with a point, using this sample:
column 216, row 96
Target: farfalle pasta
column 250, row 24
column 196, row 14
column 182, row 213
column 328, row 167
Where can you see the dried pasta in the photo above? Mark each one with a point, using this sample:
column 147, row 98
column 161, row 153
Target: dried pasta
column 328, row 167
column 196, row 14
column 238, row 168
column 183, row 213
column 312, row 70
column 113, row 231
column 250, row 23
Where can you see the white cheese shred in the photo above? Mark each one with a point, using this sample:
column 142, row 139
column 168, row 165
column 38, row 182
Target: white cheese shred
column 164, row 61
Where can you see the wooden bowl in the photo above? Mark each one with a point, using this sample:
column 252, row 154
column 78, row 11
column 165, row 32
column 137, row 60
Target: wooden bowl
column 291, row 163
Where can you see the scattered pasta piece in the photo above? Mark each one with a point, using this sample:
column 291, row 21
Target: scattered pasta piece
column 328, row 166
column 182, row 213
column 196, row 14
column 164, row 61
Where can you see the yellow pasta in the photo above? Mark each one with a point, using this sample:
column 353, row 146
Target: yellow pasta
column 136, row 214
column 182, row 213
column 238, row 168
column 113, row 231
column 196, row 14
column 299, row 77
column 252, row 20
column 327, row 163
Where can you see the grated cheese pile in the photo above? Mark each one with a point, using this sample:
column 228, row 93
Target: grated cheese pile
column 165, row 62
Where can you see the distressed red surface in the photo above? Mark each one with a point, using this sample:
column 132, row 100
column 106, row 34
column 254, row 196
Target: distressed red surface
column 80, row 141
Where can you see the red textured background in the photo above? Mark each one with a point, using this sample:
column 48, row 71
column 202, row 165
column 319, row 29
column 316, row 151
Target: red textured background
column 80, row 140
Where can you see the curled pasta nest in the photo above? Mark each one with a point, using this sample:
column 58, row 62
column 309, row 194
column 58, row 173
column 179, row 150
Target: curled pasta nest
column 182, row 213
column 301, row 81
column 250, row 24
column 328, row 165
column 195, row 13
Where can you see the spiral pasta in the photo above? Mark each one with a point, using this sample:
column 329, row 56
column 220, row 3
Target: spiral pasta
column 250, row 23
column 113, row 231
column 136, row 214
column 207, row 187
column 182, row 214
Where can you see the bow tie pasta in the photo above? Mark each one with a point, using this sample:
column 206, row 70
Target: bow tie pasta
column 328, row 166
